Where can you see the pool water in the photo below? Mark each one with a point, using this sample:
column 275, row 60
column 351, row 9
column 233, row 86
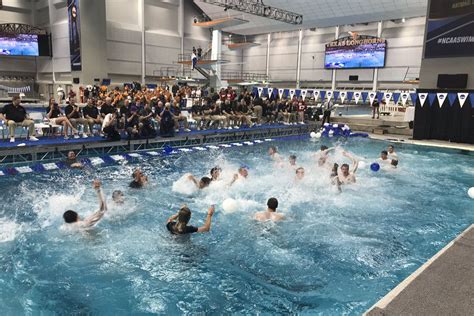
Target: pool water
column 336, row 253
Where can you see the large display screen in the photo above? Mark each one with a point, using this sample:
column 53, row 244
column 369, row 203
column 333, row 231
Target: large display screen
column 355, row 54
column 19, row 45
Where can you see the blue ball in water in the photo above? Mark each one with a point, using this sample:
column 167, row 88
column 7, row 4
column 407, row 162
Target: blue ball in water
column 168, row 149
column 375, row 167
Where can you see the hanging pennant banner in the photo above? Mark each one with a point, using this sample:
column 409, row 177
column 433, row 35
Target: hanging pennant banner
column 297, row 93
column 379, row 97
column 280, row 93
column 292, row 93
column 452, row 98
column 441, row 98
column 270, row 92
column 364, row 96
column 343, row 96
column 329, row 94
column 462, row 97
column 303, row 93
column 350, row 94
column 316, row 95
column 404, row 97
column 471, row 96
column 396, row 96
column 357, row 97
column 260, row 90
column 431, row 98
column 388, row 96
column 322, row 93
column 372, row 95
column 413, row 97
column 336, row 95
column 422, row 97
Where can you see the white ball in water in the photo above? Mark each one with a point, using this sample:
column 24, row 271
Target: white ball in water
column 470, row 192
column 230, row 205
column 362, row 164
column 318, row 135
column 312, row 134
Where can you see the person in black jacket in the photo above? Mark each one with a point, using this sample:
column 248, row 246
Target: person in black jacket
column 15, row 115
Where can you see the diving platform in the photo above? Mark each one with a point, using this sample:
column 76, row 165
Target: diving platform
column 221, row 23
column 243, row 45
column 56, row 149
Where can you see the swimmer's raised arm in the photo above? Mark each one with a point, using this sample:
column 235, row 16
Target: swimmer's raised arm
column 234, row 178
column 355, row 162
column 172, row 218
column 207, row 225
column 94, row 218
column 194, row 180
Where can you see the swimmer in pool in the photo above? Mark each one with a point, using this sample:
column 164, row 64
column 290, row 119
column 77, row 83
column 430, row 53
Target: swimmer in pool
column 273, row 153
column 391, row 153
column 242, row 173
column 72, row 162
column 299, row 173
column 292, row 160
column 178, row 223
column 323, row 157
column 345, row 175
column 334, row 177
column 72, row 218
column 117, row 197
column 215, row 173
column 139, row 179
column 201, row 184
column 271, row 213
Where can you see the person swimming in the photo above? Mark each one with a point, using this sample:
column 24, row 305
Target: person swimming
column 271, row 213
column 202, row 183
column 334, row 178
column 72, row 162
column 242, row 173
column 72, row 218
column 215, row 173
column 117, row 197
column 178, row 224
column 323, row 156
column 345, row 175
column 292, row 160
column 391, row 153
column 273, row 153
column 299, row 173
column 139, row 179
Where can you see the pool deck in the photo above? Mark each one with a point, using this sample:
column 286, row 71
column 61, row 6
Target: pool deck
column 429, row 143
column 444, row 285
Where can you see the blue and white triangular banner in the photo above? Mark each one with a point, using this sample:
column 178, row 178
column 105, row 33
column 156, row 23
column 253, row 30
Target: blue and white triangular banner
column 292, row 93
column 404, row 97
column 280, row 93
column 396, row 97
column 342, row 95
column 357, row 96
column 452, row 98
column 260, row 90
column 322, row 93
column 316, row 95
column 441, row 98
column 270, row 92
column 303, row 93
column 372, row 95
column 329, row 94
column 350, row 94
column 422, row 97
column 462, row 96
column 388, row 96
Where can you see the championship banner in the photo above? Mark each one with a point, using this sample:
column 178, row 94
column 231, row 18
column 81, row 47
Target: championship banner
column 303, row 93
column 336, row 95
column 462, row 97
column 297, row 93
column 388, row 96
column 396, row 97
column 471, row 96
column 364, row 96
column 350, row 94
column 452, row 98
column 343, row 96
column 280, row 93
column 329, row 94
column 260, row 90
column 316, row 95
column 372, row 96
column 431, row 98
column 413, row 97
column 357, row 97
column 405, row 97
column 441, row 98
column 322, row 94
column 450, row 30
column 292, row 93
column 422, row 97
column 74, row 34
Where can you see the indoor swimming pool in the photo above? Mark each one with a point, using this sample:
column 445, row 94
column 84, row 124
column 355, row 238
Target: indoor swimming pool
column 335, row 253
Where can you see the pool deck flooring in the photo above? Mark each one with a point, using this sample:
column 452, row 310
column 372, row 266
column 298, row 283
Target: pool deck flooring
column 430, row 143
column 444, row 285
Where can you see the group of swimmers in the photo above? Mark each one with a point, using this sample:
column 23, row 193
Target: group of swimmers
column 178, row 223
